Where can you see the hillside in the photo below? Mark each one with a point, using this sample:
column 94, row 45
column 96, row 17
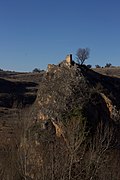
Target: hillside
column 111, row 71
column 62, row 124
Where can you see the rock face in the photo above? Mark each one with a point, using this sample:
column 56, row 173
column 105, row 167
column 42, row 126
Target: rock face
column 74, row 107
column 69, row 130
column 65, row 88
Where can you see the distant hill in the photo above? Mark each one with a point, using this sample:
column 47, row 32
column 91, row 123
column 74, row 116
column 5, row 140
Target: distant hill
column 111, row 71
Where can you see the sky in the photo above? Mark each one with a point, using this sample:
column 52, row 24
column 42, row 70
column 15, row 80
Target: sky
column 34, row 33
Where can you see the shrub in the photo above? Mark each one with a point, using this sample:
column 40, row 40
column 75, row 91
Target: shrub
column 108, row 65
column 89, row 66
column 97, row 66
column 36, row 70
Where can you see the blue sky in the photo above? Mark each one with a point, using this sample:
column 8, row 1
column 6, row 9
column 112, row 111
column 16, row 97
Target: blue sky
column 34, row 33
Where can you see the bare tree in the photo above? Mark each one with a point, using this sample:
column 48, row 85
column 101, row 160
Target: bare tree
column 82, row 55
column 74, row 134
column 99, row 149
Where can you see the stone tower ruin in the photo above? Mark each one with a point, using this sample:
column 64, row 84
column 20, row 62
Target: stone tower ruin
column 69, row 59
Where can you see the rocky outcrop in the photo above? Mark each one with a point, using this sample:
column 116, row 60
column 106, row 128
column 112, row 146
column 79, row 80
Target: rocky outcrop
column 74, row 108
column 66, row 87
column 66, row 126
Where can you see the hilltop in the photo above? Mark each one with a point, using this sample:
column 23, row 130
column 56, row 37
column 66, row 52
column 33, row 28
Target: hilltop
column 63, row 123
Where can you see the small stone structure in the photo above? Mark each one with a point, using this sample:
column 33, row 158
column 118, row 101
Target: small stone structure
column 69, row 59
column 67, row 62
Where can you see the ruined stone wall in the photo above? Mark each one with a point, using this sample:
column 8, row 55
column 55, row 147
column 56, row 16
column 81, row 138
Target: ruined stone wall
column 69, row 59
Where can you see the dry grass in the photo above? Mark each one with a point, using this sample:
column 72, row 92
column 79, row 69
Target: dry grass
column 111, row 71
